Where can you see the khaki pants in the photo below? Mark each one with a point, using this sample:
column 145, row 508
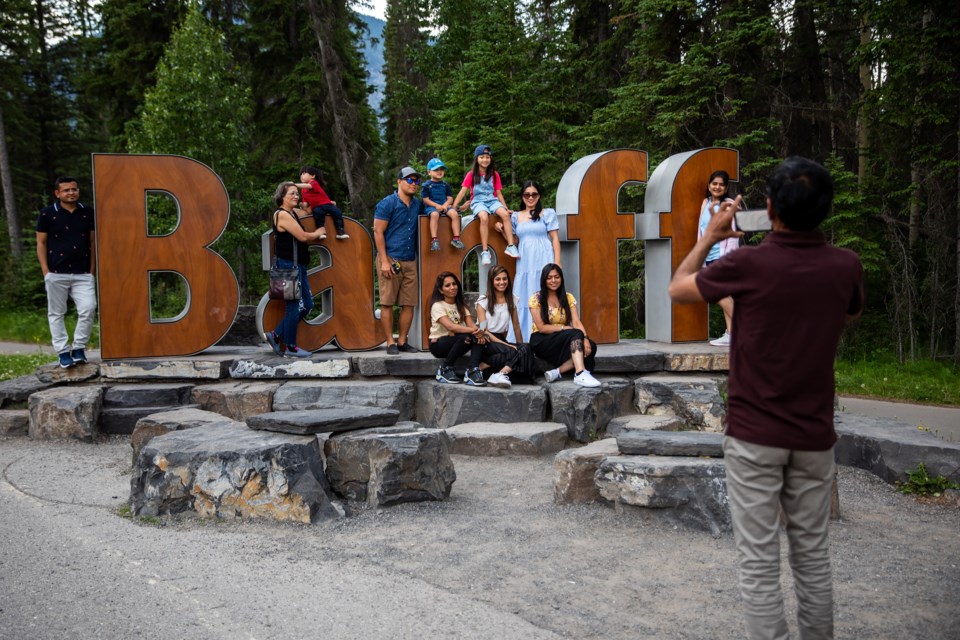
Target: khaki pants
column 759, row 480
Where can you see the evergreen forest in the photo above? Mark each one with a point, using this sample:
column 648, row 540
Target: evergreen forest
column 871, row 88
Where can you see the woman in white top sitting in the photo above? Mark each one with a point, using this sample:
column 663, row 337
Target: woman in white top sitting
column 497, row 313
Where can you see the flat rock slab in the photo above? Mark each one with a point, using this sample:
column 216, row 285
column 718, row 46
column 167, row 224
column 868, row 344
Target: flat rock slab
column 276, row 367
column 390, row 465
column 17, row 390
column 635, row 422
column 78, row 373
column 386, row 394
column 229, row 471
column 313, row 421
column 586, row 411
column 168, row 394
column 158, row 424
column 690, row 492
column 123, row 420
column 14, row 422
column 717, row 359
column 236, row 400
column 414, row 365
column 699, row 400
column 666, row 443
column 889, row 448
column 65, row 412
column 185, row 368
column 575, row 470
column 628, row 358
column 513, row 439
column 442, row 405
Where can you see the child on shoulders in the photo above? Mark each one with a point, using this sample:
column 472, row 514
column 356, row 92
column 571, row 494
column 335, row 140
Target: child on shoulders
column 316, row 200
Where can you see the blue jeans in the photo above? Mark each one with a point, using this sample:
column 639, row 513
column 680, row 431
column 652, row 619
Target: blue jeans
column 296, row 310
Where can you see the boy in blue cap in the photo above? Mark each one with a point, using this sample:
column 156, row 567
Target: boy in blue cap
column 437, row 198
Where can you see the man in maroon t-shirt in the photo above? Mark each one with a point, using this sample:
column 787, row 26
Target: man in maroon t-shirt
column 793, row 295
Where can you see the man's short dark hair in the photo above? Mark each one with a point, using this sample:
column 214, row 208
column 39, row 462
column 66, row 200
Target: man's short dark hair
column 63, row 180
column 801, row 193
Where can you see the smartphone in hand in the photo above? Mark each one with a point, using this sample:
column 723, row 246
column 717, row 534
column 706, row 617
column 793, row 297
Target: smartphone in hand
column 752, row 220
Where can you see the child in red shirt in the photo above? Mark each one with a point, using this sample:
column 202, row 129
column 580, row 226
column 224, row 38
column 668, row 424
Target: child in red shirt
column 319, row 203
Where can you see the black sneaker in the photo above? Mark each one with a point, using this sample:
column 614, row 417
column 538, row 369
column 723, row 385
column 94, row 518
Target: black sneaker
column 447, row 375
column 78, row 355
column 66, row 361
column 406, row 348
column 474, row 378
column 392, row 350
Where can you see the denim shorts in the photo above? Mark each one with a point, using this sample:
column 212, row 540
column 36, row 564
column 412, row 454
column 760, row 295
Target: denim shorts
column 490, row 206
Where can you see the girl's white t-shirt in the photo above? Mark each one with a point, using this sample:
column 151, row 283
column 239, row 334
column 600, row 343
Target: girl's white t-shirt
column 498, row 320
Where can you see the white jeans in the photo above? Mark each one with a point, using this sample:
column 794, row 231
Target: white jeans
column 80, row 287
column 759, row 481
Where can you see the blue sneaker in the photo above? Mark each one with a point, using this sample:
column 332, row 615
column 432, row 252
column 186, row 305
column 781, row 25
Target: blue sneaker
column 66, row 361
column 274, row 343
column 79, row 357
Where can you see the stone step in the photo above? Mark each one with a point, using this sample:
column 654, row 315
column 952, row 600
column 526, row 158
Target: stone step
column 587, row 411
column 639, row 422
column 268, row 365
column 123, row 420
column 230, row 471
column 386, row 394
column 574, row 471
column 209, row 365
column 513, row 439
column 697, row 399
column 333, row 420
column 236, row 400
column 390, row 465
column 17, row 391
column 65, row 412
column 158, row 424
column 55, row 374
column 442, row 405
column 671, row 443
column 146, row 395
column 14, row 422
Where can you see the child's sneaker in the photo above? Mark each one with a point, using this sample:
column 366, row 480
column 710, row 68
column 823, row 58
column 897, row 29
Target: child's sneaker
column 456, row 243
column 447, row 375
column 296, row 352
column 343, row 235
column 65, row 360
column 323, row 233
column 434, row 245
column 274, row 343
column 552, row 375
column 585, row 379
column 500, row 380
column 485, row 257
column 474, row 378
column 512, row 251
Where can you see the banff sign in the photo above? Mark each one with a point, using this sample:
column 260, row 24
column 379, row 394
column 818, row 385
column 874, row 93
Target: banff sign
column 591, row 226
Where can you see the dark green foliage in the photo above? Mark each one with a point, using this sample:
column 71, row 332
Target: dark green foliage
column 920, row 483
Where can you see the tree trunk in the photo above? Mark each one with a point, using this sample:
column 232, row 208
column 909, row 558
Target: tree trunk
column 956, row 291
column 863, row 126
column 9, row 202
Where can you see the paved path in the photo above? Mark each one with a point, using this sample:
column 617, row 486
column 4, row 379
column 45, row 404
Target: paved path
column 10, row 348
column 941, row 421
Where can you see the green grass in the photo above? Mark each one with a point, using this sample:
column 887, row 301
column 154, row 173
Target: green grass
column 31, row 327
column 924, row 381
column 14, row 366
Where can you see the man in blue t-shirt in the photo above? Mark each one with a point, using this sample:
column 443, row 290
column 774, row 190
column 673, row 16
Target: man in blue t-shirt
column 65, row 248
column 395, row 234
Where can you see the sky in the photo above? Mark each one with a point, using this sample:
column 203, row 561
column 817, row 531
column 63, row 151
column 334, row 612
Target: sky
column 377, row 9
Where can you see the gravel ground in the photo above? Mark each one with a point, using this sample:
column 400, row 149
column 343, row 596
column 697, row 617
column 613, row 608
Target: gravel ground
column 497, row 560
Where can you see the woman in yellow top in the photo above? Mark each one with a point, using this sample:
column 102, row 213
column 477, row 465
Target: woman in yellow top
column 558, row 336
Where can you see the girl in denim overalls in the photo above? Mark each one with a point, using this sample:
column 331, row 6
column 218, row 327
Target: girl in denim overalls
column 487, row 195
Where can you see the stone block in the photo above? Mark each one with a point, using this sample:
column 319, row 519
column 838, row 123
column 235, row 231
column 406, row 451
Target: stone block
column 514, row 439
column 634, row 422
column 390, row 465
column 14, row 422
column 271, row 366
column 147, row 395
column 406, row 365
column 716, row 360
column 158, row 424
column 55, row 374
column 699, row 400
column 386, row 394
column 666, row 443
column 690, row 492
column 574, row 471
column 313, row 421
column 16, row 391
column 587, row 411
column 236, row 400
column 889, row 448
column 65, row 412
column 197, row 367
column 123, row 420
column 442, row 405
column 229, row 471
column 628, row 357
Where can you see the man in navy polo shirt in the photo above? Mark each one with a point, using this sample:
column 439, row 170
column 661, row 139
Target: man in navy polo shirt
column 65, row 248
column 793, row 295
column 395, row 234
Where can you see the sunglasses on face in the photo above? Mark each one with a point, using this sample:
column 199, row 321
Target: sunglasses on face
column 531, row 194
column 412, row 180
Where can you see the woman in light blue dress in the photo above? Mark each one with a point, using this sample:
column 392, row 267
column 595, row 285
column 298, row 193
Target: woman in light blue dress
column 537, row 229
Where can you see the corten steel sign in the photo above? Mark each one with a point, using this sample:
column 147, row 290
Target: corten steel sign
column 591, row 227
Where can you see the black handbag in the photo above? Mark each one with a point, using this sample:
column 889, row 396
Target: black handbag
column 285, row 283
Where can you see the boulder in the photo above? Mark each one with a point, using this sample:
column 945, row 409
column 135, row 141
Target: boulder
column 158, row 424
column 55, row 374
column 698, row 400
column 514, row 439
column 386, row 394
column 236, row 400
column 199, row 367
column 574, row 471
column 634, row 422
column 889, row 448
column 229, row 471
column 65, row 412
column 586, row 411
column 690, row 492
column 147, row 395
column 14, row 422
column 16, row 391
column 390, row 465
column 271, row 366
column 442, row 405
column 667, row 443
column 313, row 421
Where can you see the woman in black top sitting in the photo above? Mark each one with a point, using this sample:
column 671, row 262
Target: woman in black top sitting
column 289, row 236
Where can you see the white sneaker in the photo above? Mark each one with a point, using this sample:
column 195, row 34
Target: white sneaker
column 552, row 375
column 485, row 257
column 584, row 379
column 501, row 380
column 722, row 341
column 512, row 251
